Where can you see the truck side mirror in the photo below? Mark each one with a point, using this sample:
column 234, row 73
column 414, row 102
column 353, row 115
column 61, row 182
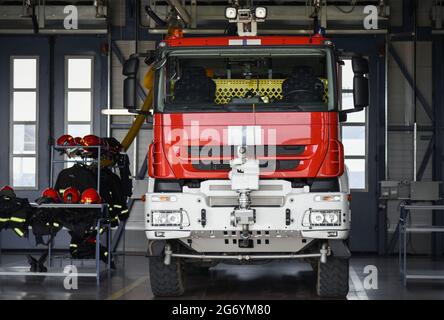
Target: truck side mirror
column 130, row 68
column 360, row 83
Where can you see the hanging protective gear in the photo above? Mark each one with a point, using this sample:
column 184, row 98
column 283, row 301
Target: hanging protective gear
column 14, row 214
column 90, row 196
column 125, row 175
column 112, row 193
column 71, row 195
column 46, row 221
column 85, row 248
column 78, row 176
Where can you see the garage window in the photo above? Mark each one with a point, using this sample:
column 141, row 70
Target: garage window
column 78, row 95
column 354, row 133
column 24, row 109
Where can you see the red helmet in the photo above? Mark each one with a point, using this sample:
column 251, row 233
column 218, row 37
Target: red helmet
column 71, row 195
column 91, row 140
column 7, row 188
column 66, row 140
column 78, row 141
column 7, row 191
column 52, row 194
column 90, row 196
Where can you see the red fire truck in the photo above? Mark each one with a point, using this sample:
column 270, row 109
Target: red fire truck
column 246, row 162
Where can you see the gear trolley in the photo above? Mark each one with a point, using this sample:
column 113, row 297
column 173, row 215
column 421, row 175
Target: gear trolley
column 101, row 222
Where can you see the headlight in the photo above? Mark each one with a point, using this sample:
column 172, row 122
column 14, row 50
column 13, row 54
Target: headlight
column 324, row 218
column 331, row 218
column 230, row 13
column 167, row 218
column 316, row 218
column 260, row 12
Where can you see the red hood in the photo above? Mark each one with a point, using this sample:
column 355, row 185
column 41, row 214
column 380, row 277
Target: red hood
column 303, row 141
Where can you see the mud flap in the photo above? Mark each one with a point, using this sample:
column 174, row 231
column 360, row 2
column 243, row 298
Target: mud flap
column 155, row 248
column 339, row 249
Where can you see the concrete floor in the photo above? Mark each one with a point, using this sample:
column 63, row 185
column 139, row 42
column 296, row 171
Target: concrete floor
column 277, row 280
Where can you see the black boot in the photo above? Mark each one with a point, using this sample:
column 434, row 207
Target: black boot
column 41, row 263
column 33, row 262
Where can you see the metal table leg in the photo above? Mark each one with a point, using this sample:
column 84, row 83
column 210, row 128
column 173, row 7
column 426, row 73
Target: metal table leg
column 403, row 244
column 98, row 253
column 1, row 247
column 50, row 244
column 108, row 235
column 400, row 240
column 405, row 254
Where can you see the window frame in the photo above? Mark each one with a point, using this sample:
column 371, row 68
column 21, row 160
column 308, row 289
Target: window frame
column 12, row 90
column 355, row 124
column 66, row 89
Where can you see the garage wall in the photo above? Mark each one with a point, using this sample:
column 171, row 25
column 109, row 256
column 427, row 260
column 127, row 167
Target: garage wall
column 400, row 113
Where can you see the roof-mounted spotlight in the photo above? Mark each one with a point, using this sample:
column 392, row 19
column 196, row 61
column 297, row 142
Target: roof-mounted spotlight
column 260, row 12
column 231, row 13
column 246, row 19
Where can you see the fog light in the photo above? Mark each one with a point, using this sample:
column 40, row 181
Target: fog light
column 324, row 218
column 159, row 234
column 230, row 13
column 260, row 12
column 166, row 218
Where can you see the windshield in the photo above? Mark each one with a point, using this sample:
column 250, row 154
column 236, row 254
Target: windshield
column 266, row 79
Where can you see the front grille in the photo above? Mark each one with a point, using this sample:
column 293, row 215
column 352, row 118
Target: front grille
column 256, row 201
column 229, row 151
column 217, row 152
column 216, row 165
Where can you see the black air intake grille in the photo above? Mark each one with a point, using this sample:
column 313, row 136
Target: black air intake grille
column 208, row 151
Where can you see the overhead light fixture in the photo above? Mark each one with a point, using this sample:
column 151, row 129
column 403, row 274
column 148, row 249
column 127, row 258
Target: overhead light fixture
column 230, row 13
column 260, row 12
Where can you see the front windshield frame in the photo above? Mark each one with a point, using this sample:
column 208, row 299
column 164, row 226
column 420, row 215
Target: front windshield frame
column 159, row 99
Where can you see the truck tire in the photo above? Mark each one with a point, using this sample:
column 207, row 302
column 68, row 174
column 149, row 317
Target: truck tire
column 314, row 265
column 332, row 281
column 167, row 280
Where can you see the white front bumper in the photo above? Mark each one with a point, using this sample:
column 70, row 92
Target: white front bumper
column 271, row 222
